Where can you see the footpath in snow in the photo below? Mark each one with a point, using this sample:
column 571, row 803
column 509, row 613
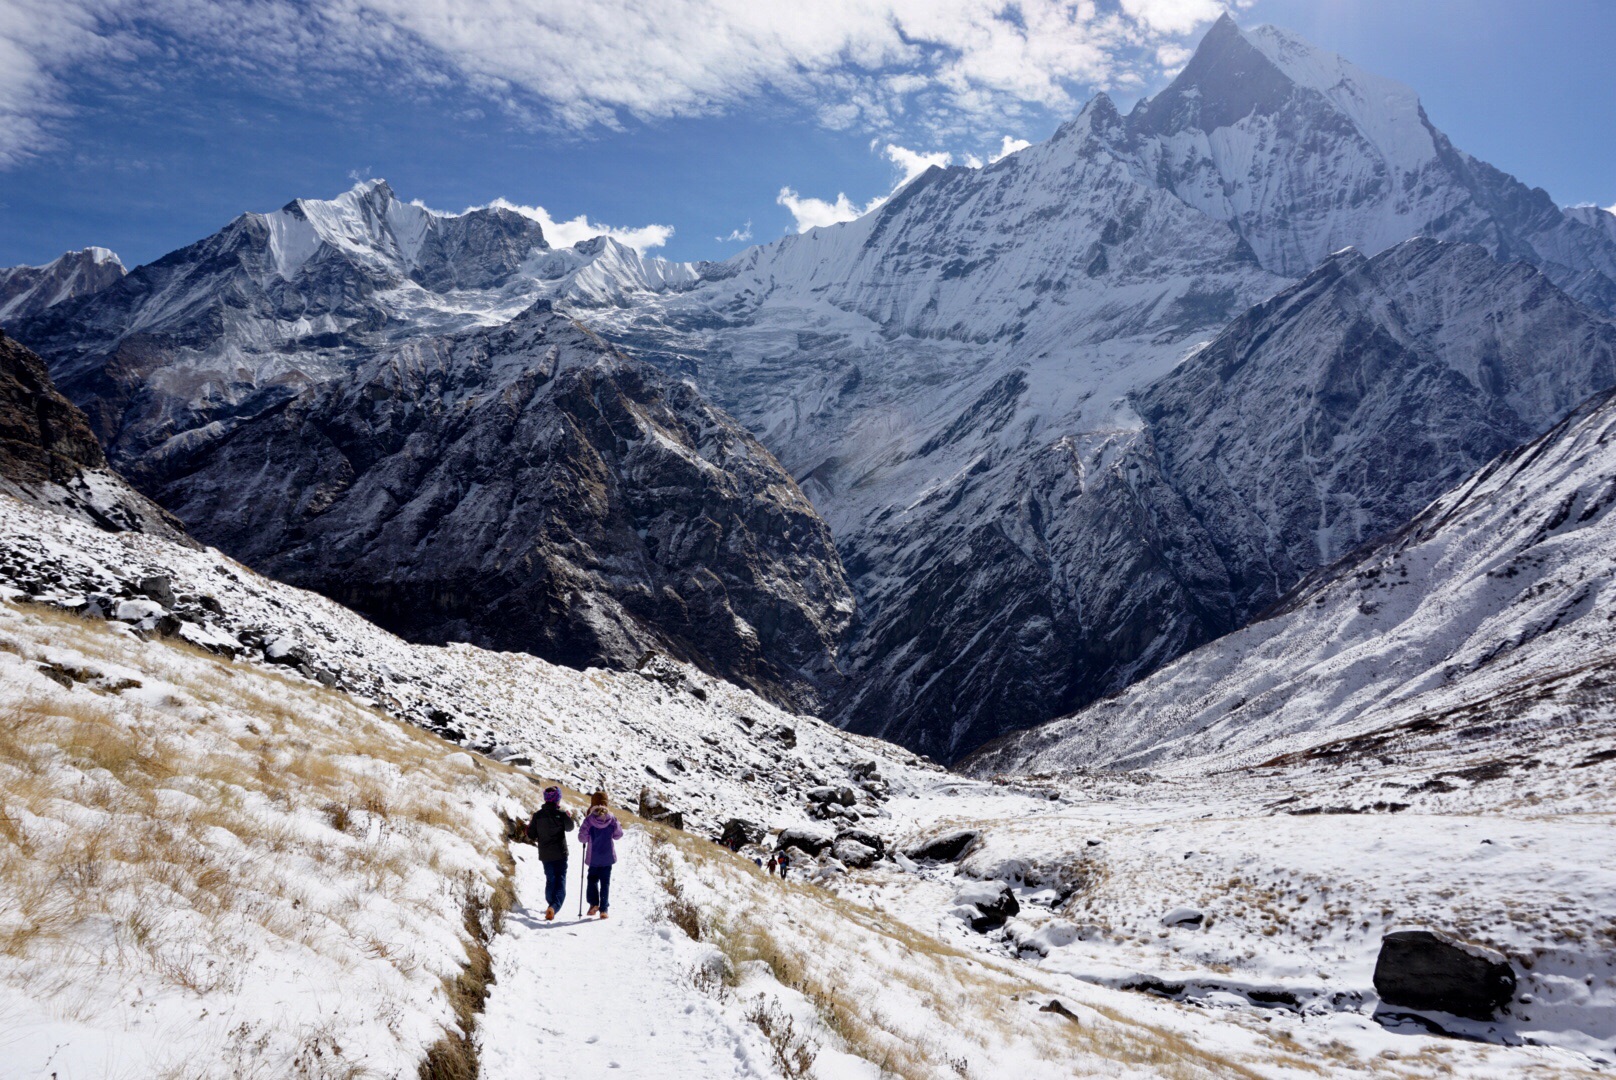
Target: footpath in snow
column 580, row 997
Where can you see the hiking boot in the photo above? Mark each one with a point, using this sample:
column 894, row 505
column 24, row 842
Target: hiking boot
column 594, row 909
column 549, row 914
column 604, row 915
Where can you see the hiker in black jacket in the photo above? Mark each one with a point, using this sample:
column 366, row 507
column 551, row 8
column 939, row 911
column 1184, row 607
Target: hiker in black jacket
column 549, row 829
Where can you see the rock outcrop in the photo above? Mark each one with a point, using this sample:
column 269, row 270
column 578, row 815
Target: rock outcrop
column 1498, row 591
column 1331, row 414
column 50, row 457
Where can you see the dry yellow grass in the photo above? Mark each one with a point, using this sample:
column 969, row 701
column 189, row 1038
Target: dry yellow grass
column 143, row 828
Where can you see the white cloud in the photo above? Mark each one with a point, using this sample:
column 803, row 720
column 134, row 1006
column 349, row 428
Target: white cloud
column 913, row 163
column 1172, row 16
column 38, row 39
column 737, row 236
column 949, row 67
column 1009, row 146
column 811, row 213
column 1172, row 58
column 566, row 233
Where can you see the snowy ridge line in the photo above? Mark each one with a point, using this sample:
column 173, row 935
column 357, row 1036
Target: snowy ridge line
column 708, row 748
column 29, row 290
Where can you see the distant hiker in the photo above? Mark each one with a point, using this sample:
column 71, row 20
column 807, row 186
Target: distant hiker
column 549, row 829
column 784, row 862
column 597, row 832
column 774, row 863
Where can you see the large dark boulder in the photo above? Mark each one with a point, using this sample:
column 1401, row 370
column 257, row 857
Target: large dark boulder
column 1427, row 969
column 806, row 840
column 654, row 808
column 945, row 848
column 738, row 832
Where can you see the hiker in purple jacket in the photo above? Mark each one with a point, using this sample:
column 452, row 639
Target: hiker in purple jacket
column 597, row 834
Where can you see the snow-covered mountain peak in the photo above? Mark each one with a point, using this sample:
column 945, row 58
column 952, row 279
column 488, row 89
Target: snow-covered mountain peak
column 1098, row 118
column 1226, row 80
column 1303, row 152
column 1235, row 74
column 1594, row 217
column 28, row 290
column 100, row 256
column 1385, row 111
column 604, row 272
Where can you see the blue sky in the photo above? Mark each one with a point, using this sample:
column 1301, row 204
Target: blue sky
column 142, row 125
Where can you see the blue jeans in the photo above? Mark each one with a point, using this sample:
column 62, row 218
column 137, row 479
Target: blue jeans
column 599, row 889
column 555, row 883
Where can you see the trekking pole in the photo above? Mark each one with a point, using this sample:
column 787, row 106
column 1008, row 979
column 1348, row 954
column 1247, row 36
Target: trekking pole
column 582, row 871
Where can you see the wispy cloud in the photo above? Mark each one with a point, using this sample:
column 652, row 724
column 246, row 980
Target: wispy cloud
column 737, row 236
column 949, row 67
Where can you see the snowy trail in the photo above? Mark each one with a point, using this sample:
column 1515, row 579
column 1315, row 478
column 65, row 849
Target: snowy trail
column 592, row 998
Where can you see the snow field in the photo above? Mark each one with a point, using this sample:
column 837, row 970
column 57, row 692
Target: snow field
column 871, row 971
column 216, row 870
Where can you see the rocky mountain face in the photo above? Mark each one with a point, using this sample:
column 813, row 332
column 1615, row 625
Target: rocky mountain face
column 186, row 347
column 29, row 290
column 1330, row 414
column 50, row 457
column 995, row 389
column 1486, row 616
column 969, row 381
column 947, row 378
column 525, row 487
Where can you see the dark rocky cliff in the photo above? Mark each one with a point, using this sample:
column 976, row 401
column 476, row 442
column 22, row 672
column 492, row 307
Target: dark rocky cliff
column 49, row 455
column 526, row 487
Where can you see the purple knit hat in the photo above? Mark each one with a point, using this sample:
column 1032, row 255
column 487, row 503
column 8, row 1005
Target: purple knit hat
column 552, row 794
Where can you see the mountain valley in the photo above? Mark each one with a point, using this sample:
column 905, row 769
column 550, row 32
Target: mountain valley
column 1137, row 583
